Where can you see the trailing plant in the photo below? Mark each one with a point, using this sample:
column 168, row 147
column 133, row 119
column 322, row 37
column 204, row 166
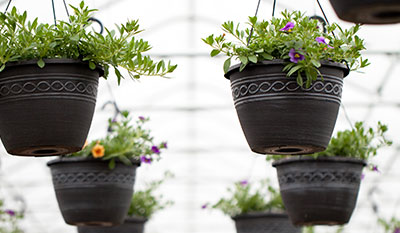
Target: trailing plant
column 21, row 39
column 125, row 142
column 9, row 220
column 145, row 203
column 296, row 38
column 359, row 142
column 391, row 226
column 246, row 198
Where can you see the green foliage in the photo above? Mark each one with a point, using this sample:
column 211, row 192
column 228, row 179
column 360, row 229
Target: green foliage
column 391, row 226
column 9, row 220
column 268, row 42
column 245, row 198
column 145, row 203
column 125, row 142
column 360, row 142
column 21, row 39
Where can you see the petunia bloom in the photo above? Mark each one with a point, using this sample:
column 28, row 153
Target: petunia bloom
column 362, row 176
column 288, row 27
column 321, row 40
column 144, row 159
column 244, row 182
column 375, row 169
column 204, row 206
column 10, row 212
column 142, row 118
column 98, row 151
column 295, row 56
column 396, row 230
column 155, row 150
column 165, row 145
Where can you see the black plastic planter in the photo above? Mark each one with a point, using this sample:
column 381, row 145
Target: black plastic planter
column 368, row 11
column 280, row 117
column 47, row 111
column 130, row 225
column 319, row 191
column 89, row 193
column 264, row 223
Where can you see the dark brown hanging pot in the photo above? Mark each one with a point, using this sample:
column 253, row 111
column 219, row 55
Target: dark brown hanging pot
column 280, row 117
column 264, row 223
column 47, row 111
column 319, row 191
column 368, row 11
column 130, row 225
column 89, row 193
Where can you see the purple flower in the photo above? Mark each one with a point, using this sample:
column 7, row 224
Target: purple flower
column 10, row 212
column 164, row 144
column 321, row 40
column 396, row 230
column 288, row 27
column 204, row 206
column 362, row 176
column 142, row 118
column 144, row 159
column 244, row 182
column 155, row 150
column 295, row 56
column 375, row 169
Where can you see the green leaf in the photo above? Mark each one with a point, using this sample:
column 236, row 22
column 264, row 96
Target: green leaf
column 317, row 64
column 244, row 60
column 92, row 65
column 294, row 69
column 267, row 56
column 227, row 64
column 40, row 63
column 2, row 67
column 299, row 79
column 111, row 164
column 253, row 58
column 214, row 52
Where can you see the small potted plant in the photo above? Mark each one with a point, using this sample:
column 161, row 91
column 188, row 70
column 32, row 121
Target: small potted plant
column 255, row 209
column 322, row 189
column 368, row 12
column 143, row 205
column 287, row 88
column 9, row 220
column 94, row 186
column 49, row 77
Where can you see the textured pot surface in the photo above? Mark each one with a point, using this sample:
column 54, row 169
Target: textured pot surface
column 130, row 225
column 47, row 111
column 89, row 193
column 264, row 223
column 278, row 116
column 368, row 11
column 319, row 191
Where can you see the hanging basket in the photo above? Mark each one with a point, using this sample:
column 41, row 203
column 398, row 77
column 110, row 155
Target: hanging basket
column 47, row 111
column 368, row 11
column 130, row 225
column 319, row 191
column 89, row 193
column 278, row 116
column 264, row 223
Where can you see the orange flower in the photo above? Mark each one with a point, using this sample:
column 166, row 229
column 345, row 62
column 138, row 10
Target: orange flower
column 98, row 151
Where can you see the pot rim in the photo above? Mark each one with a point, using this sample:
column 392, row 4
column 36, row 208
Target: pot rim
column 99, row 68
column 304, row 159
column 63, row 159
column 260, row 215
column 235, row 68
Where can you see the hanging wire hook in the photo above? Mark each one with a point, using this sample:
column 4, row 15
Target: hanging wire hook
column 252, row 28
column 8, row 5
column 66, row 9
column 99, row 22
column 54, row 13
column 273, row 8
column 326, row 19
column 321, row 20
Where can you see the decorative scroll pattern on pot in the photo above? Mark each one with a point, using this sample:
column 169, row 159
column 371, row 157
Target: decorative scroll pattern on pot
column 310, row 177
column 65, row 179
column 265, row 87
column 76, row 87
